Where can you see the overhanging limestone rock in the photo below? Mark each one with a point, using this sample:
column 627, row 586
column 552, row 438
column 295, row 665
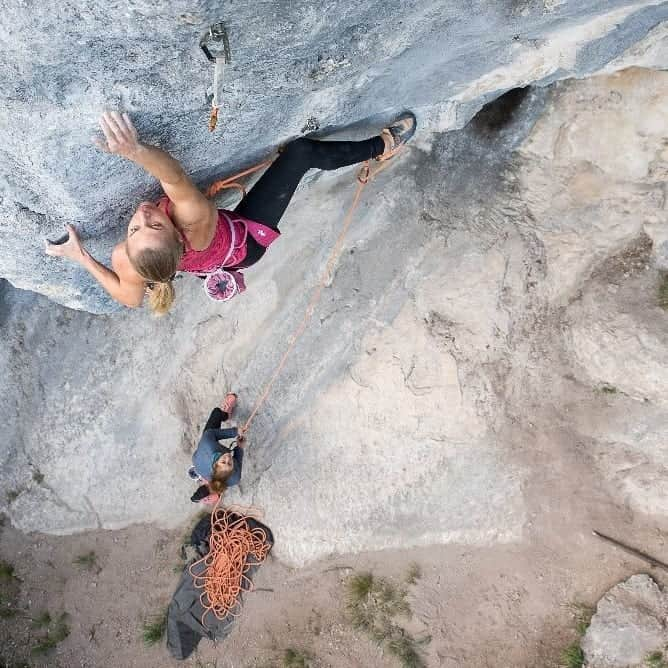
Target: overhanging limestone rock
column 292, row 67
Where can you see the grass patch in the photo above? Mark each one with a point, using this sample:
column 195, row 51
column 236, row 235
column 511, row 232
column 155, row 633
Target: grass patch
column 572, row 656
column 42, row 620
column 372, row 604
column 6, row 663
column 57, row 630
column 6, row 572
column 608, row 389
column 406, row 649
column 414, row 573
column 87, row 561
column 663, row 292
column 294, row 658
column 153, row 630
column 583, row 614
column 655, row 660
column 360, row 586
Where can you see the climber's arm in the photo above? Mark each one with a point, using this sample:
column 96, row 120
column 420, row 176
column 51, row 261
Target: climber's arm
column 124, row 285
column 190, row 206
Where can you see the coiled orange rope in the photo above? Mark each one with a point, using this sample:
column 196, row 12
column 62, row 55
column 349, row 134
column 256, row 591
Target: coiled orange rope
column 233, row 549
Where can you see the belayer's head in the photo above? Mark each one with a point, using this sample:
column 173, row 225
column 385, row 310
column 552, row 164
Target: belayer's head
column 223, row 468
column 155, row 248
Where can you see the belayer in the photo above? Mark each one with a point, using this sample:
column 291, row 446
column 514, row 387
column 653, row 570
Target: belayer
column 219, row 455
column 184, row 231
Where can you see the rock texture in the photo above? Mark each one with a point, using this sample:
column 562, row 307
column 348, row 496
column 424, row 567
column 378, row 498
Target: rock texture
column 629, row 625
column 465, row 324
column 498, row 288
column 293, row 69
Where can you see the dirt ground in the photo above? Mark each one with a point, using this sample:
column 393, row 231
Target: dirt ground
column 500, row 606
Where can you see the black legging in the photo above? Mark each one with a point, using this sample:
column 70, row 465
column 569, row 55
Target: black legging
column 269, row 197
column 216, row 419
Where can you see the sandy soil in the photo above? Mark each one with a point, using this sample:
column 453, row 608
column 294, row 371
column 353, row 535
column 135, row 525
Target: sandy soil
column 497, row 606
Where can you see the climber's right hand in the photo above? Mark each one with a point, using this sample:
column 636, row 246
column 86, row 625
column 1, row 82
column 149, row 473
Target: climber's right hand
column 120, row 135
column 72, row 249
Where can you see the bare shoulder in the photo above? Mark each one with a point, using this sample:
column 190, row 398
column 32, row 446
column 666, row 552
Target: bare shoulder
column 198, row 218
column 121, row 264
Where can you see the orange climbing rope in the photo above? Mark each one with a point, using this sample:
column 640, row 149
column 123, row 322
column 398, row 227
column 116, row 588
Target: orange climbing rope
column 364, row 177
column 232, row 181
column 233, row 549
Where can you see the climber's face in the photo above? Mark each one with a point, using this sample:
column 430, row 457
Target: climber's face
column 149, row 228
column 224, row 464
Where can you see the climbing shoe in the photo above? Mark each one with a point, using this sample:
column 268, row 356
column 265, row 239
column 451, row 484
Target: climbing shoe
column 397, row 134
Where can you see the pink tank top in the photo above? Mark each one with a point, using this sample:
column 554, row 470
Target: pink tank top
column 228, row 246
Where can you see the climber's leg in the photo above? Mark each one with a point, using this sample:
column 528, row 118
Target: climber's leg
column 269, row 197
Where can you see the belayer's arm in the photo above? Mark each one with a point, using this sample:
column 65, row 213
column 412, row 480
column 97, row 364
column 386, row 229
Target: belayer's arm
column 229, row 432
column 127, row 292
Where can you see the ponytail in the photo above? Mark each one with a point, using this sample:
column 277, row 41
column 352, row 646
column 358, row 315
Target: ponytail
column 218, row 482
column 161, row 297
column 157, row 266
column 218, row 486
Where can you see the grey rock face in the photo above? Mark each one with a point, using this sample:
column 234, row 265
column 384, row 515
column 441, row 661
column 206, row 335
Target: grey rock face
column 387, row 427
column 294, row 68
column 629, row 624
column 476, row 273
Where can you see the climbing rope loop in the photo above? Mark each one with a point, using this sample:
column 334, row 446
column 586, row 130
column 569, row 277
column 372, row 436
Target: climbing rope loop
column 234, row 548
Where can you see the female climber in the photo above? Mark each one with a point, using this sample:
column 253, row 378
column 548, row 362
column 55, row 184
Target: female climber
column 184, row 231
column 219, row 455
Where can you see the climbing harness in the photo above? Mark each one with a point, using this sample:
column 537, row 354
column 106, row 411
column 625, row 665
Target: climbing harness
column 224, row 284
column 215, row 45
column 233, row 549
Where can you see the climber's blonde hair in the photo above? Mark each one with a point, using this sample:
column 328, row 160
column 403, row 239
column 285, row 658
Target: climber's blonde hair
column 157, row 266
